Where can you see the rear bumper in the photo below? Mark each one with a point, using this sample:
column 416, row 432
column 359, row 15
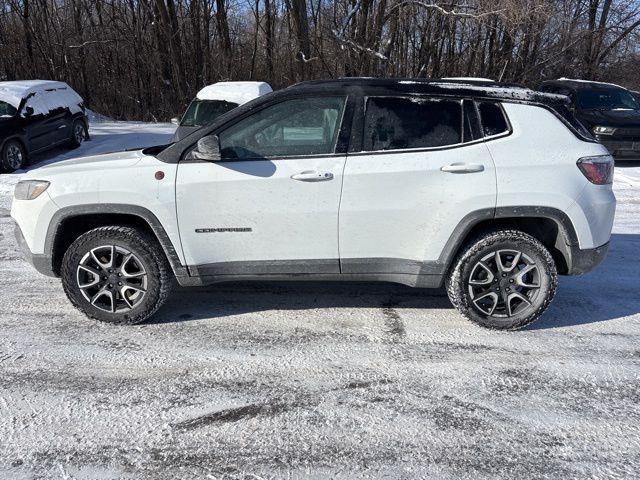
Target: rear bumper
column 42, row 263
column 583, row 261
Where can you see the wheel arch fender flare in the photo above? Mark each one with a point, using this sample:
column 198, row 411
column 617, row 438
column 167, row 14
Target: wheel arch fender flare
column 479, row 220
column 85, row 122
column 95, row 211
column 19, row 138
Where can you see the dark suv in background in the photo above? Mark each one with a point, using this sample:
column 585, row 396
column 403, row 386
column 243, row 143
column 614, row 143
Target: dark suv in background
column 37, row 115
column 610, row 112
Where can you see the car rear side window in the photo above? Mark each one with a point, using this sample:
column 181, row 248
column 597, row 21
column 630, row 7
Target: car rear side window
column 394, row 123
column 492, row 119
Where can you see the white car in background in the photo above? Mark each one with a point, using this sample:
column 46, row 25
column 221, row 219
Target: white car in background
column 214, row 100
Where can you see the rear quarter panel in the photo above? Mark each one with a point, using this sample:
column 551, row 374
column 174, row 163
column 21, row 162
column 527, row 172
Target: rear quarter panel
column 536, row 166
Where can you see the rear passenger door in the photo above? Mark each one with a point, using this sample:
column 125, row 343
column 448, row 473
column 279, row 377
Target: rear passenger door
column 421, row 169
column 58, row 117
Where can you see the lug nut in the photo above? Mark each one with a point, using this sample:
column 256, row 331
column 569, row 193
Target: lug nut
column 111, row 285
column 104, row 278
column 511, row 281
column 120, row 283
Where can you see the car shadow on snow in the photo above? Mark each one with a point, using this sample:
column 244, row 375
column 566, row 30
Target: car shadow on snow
column 227, row 299
column 611, row 291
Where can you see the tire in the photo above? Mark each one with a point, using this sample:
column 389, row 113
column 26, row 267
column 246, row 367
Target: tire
column 134, row 277
column 78, row 133
column 14, row 156
column 488, row 283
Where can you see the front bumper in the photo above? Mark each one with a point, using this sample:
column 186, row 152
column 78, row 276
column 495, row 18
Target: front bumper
column 584, row 261
column 42, row 263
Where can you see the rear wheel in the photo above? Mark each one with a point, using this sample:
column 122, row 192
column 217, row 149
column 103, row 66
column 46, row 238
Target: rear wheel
column 78, row 134
column 116, row 275
column 14, row 156
column 503, row 280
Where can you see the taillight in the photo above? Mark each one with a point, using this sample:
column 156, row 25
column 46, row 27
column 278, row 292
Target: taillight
column 598, row 170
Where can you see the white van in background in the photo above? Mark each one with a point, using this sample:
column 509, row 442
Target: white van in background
column 214, row 100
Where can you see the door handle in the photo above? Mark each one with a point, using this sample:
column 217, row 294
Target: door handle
column 312, row 176
column 462, row 168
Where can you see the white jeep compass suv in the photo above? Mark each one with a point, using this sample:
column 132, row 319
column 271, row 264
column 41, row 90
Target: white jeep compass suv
column 491, row 190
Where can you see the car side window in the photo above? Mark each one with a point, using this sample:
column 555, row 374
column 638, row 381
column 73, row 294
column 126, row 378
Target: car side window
column 7, row 110
column 38, row 103
column 492, row 119
column 393, row 123
column 296, row 127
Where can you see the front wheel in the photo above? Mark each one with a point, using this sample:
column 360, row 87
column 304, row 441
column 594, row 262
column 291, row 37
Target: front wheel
column 503, row 280
column 116, row 275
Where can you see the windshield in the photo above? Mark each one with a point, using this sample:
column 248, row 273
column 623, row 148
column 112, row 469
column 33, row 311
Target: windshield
column 607, row 99
column 203, row 112
column 7, row 110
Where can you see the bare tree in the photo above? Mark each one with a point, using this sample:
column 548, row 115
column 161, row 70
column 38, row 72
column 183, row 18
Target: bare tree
column 146, row 58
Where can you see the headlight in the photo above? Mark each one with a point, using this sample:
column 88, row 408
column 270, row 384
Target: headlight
column 30, row 189
column 603, row 130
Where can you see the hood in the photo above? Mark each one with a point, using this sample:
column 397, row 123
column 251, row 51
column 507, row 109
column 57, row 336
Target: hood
column 107, row 161
column 610, row 118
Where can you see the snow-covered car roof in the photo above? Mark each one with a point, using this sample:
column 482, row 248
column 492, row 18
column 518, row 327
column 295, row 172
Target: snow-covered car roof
column 14, row 91
column 235, row 92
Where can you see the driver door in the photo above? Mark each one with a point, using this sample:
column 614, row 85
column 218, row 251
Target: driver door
column 270, row 204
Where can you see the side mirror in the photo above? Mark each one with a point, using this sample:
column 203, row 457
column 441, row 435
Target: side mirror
column 28, row 111
column 208, row 149
column 175, row 121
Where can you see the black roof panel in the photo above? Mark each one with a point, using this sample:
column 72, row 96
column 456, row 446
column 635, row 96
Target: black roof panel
column 472, row 88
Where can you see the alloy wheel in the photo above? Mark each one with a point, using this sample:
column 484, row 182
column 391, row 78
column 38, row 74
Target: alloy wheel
column 78, row 133
column 504, row 283
column 112, row 278
column 14, row 156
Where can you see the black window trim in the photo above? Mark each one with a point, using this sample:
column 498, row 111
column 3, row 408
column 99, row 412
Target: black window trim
column 475, row 121
column 340, row 148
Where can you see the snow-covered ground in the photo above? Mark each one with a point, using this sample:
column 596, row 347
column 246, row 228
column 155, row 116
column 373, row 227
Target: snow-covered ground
column 319, row 380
